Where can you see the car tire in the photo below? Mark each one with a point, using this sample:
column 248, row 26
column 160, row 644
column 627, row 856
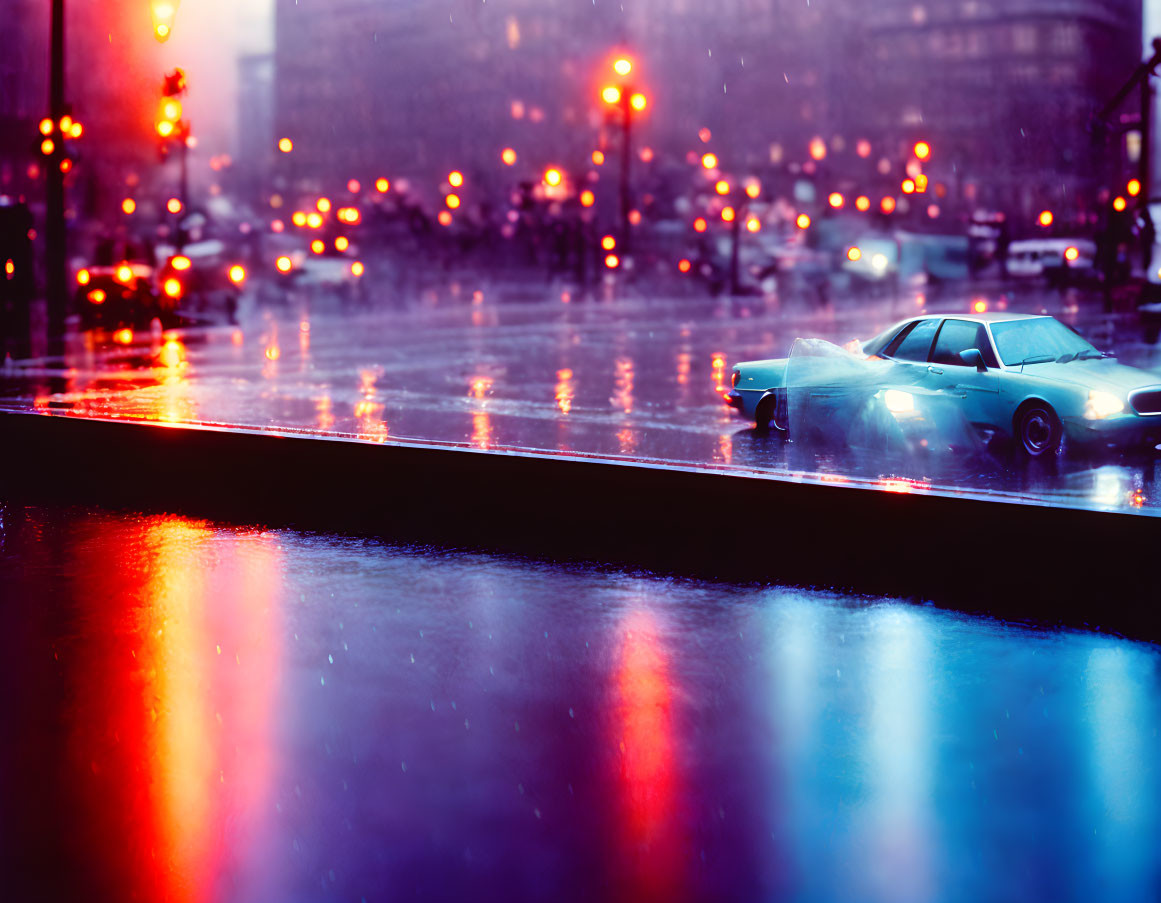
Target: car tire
column 764, row 421
column 1038, row 431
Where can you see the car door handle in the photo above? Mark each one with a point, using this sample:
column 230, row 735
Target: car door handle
column 935, row 370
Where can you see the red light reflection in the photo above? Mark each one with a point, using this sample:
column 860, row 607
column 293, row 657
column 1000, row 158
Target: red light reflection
column 175, row 699
column 648, row 771
column 565, row 390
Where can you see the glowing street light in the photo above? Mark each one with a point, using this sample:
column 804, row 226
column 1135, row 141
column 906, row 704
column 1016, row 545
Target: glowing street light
column 1045, row 219
column 803, row 221
column 623, row 66
column 638, row 102
column 164, row 12
column 1134, row 187
column 508, row 156
column 922, row 150
column 128, row 206
column 553, row 177
column 285, row 145
column 709, row 161
column 836, row 200
column 237, row 274
column 382, row 185
column 611, row 94
column 455, row 178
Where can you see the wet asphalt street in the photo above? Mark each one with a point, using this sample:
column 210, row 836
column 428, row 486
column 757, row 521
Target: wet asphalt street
column 493, row 367
column 205, row 712
column 219, row 712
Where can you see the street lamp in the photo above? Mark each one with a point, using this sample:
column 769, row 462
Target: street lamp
column 629, row 101
column 164, row 12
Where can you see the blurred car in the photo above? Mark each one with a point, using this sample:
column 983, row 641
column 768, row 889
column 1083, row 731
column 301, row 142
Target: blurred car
column 120, row 287
column 1057, row 259
column 1011, row 376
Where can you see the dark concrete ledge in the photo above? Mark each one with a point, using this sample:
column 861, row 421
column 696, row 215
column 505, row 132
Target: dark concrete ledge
column 1049, row 565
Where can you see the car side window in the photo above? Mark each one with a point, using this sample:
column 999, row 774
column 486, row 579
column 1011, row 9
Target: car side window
column 960, row 335
column 917, row 343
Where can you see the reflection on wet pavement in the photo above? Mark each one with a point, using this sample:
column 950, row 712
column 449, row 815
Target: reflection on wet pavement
column 630, row 378
column 209, row 713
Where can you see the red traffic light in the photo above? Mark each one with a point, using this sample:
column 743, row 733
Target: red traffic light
column 174, row 83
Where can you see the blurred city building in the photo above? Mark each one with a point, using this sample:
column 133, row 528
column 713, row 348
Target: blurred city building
column 1002, row 90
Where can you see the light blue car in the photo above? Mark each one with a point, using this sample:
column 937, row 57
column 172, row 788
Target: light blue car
column 1012, row 376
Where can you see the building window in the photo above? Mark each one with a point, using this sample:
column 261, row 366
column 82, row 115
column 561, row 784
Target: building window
column 1024, row 38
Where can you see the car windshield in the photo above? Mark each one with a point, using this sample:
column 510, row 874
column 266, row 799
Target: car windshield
column 1037, row 340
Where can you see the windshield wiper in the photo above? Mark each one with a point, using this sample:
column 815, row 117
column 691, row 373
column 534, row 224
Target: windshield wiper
column 1088, row 354
column 1038, row 359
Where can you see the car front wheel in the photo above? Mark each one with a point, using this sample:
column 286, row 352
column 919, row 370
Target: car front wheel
column 1038, row 430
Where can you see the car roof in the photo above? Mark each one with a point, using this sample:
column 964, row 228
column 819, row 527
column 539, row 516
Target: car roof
column 996, row 317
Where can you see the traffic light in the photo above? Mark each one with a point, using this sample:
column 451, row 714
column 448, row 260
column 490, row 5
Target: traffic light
column 164, row 12
column 174, row 84
column 170, row 126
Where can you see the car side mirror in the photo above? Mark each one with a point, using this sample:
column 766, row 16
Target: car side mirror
column 973, row 357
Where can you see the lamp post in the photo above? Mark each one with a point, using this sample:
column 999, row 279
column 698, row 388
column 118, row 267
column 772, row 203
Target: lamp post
column 735, row 214
column 56, row 256
column 628, row 101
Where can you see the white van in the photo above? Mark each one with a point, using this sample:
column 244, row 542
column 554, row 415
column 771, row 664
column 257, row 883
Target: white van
column 1050, row 256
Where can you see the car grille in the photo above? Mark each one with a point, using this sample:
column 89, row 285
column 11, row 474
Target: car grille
column 1147, row 401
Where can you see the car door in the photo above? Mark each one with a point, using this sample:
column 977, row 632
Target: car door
column 947, row 371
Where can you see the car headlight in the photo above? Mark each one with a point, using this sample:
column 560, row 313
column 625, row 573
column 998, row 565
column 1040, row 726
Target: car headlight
column 1101, row 405
column 898, row 401
column 734, row 378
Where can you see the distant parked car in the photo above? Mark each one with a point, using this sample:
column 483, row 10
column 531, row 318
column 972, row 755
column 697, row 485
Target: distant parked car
column 1057, row 259
column 1028, row 378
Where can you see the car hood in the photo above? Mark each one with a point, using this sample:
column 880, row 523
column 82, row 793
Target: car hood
column 1106, row 375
